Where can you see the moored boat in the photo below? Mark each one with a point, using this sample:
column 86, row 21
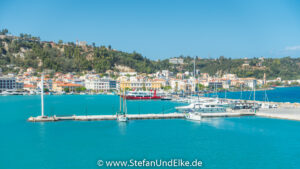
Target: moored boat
column 141, row 95
column 121, row 114
column 166, row 98
column 193, row 116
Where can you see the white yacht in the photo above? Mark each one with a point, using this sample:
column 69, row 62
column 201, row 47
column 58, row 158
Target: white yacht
column 209, row 107
column 193, row 116
column 268, row 106
column 5, row 93
column 265, row 106
column 122, row 118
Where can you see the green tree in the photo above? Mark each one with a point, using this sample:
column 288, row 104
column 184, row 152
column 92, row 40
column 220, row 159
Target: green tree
column 60, row 42
column 67, row 90
column 4, row 32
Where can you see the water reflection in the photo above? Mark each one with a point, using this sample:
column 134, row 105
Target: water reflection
column 122, row 127
column 218, row 123
column 42, row 133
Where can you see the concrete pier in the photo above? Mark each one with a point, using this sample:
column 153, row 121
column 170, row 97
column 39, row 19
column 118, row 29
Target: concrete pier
column 288, row 113
column 136, row 116
column 285, row 110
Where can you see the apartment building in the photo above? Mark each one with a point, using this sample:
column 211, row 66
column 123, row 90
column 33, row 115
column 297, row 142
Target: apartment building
column 103, row 84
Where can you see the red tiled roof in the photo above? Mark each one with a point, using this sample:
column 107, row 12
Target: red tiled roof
column 70, row 85
column 29, row 86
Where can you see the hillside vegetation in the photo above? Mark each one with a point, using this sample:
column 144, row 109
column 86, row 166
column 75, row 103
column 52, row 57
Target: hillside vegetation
column 23, row 51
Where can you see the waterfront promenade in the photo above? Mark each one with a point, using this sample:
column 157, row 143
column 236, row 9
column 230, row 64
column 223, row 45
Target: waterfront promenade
column 283, row 112
column 136, row 116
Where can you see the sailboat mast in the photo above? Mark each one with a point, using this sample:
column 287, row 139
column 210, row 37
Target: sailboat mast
column 194, row 67
column 254, row 85
column 124, row 101
column 194, row 83
column 42, row 95
column 254, row 92
column 125, row 111
column 241, row 91
column 120, row 101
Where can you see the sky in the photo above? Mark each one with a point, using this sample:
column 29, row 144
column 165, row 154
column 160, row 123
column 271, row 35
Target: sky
column 160, row 29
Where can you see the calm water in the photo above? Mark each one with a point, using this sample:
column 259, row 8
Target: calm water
column 221, row 143
column 286, row 94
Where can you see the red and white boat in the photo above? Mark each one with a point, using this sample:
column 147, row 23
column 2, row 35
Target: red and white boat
column 141, row 95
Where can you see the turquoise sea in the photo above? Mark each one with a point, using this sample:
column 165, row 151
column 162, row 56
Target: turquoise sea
column 282, row 94
column 220, row 143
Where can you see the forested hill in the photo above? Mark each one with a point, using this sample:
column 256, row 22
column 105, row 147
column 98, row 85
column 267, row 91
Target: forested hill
column 23, row 51
column 27, row 51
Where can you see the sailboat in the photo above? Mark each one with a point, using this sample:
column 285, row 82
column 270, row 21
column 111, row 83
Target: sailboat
column 121, row 114
column 255, row 105
column 266, row 104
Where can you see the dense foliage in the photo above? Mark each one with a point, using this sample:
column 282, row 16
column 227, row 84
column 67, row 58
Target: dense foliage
column 28, row 51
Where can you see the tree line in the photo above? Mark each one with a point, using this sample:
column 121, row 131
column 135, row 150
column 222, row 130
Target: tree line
column 28, row 51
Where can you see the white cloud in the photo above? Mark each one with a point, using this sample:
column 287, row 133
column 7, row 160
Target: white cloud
column 292, row 48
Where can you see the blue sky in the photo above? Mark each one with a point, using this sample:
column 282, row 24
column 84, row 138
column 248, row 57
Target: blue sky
column 160, row 28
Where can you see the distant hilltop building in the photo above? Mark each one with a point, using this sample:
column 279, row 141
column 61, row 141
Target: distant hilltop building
column 5, row 36
column 176, row 61
column 131, row 73
column 81, row 43
column 246, row 64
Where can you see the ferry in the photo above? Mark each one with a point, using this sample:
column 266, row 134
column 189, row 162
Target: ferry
column 141, row 95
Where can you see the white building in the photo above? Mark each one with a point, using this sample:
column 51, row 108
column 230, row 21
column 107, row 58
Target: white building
column 104, row 84
column 166, row 73
column 128, row 73
column 251, row 83
column 226, row 84
column 176, row 61
column 177, row 85
column 230, row 76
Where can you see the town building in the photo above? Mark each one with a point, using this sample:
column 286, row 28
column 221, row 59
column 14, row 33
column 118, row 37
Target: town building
column 9, row 84
column 249, row 82
column 140, row 84
column 61, row 86
column 103, row 84
column 215, row 84
column 177, row 85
